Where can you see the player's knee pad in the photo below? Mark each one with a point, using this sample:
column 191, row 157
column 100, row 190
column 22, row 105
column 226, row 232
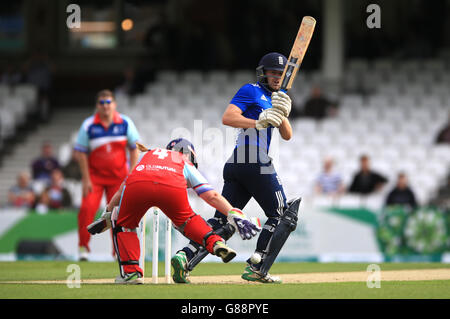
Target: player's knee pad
column 196, row 253
column 287, row 224
column 221, row 227
column 266, row 235
column 127, row 248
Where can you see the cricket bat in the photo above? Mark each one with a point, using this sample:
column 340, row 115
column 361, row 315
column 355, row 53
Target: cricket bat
column 298, row 51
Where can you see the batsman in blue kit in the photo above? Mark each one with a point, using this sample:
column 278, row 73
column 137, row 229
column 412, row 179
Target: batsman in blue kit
column 256, row 110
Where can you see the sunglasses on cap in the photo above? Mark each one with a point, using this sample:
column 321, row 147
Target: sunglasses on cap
column 103, row 102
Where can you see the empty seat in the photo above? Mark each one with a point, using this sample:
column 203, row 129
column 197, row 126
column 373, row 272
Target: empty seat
column 64, row 153
column 218, row 77
column 376, row 101
column 304, row 125
column 347, row 113
column 367, row 114
column 374, row 140
column 167, row 76
column 441, row 153
column 330, row 126
column 192, row 77
column 388, row 89
column 157, row 89
column 352, row 100
column 409, row 66
column 17, row 106
column 243, row 76
column 7, row 123
column 415, row 90
column 347, row 140
column 357, row 65
column 5, row 91
column 434, row 65
column 183, row 90
column 383, row 65
column 406, row 101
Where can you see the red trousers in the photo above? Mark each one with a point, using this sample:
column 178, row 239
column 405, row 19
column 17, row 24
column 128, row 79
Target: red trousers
column 89, row 207
column 136, row 199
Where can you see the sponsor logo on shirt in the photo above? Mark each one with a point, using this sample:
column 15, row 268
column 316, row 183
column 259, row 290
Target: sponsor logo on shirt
column 151, row 167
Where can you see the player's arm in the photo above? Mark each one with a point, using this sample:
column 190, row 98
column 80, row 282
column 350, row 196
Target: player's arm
column 82, row 159
column 233, row 117
column 214, row 199
column 81, row 150
column 132, row 137
column 285, row 129
column 134, row 156
column 115, row 199
column 235, row 216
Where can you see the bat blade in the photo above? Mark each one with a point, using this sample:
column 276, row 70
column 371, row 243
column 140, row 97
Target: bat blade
column 298, row 51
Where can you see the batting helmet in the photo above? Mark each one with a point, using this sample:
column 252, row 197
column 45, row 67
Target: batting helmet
column 271, row 61
column 182, row 145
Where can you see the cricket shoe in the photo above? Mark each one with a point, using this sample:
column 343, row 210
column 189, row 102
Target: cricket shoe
column 179, row 264
column 133, row 278
column 223, row 251
column 251, row 274
column 83, row 254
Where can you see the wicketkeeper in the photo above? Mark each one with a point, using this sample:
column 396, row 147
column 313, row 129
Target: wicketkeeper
column 160, row 180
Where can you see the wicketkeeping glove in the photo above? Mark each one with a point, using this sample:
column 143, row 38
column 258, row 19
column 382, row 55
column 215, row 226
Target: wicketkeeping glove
column 102, row 224
column 244, row 226
column 281, row 101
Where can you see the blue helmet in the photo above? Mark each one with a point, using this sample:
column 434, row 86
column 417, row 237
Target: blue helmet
column 271, row 61
column 182, row 145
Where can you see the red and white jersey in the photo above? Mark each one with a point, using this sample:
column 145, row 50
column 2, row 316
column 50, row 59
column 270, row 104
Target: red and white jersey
column 106, row 147
column 168, row 168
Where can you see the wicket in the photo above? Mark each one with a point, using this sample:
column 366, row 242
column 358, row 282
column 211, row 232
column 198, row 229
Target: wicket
column 155, row 245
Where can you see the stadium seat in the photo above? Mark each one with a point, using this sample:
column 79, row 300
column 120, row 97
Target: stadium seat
column 304, row 125
column 167, row 76
column 7, row 123
column 191, row 76
column 17, row 106
column 357, row 65
column 217, row 77
column 5, row 91
column 242, row 76
column 64, row 153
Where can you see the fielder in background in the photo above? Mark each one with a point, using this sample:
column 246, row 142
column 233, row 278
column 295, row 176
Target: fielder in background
column 160, row 180
column 101, row 151
column 255, row 111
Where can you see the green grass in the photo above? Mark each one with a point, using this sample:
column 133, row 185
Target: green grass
column 388, row 290
column 56, row 270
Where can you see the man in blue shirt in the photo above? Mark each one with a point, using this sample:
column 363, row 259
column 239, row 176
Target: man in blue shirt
column 256, row 110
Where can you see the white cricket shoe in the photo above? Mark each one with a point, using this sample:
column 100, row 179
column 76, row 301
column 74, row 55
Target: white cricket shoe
column 134, row 278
